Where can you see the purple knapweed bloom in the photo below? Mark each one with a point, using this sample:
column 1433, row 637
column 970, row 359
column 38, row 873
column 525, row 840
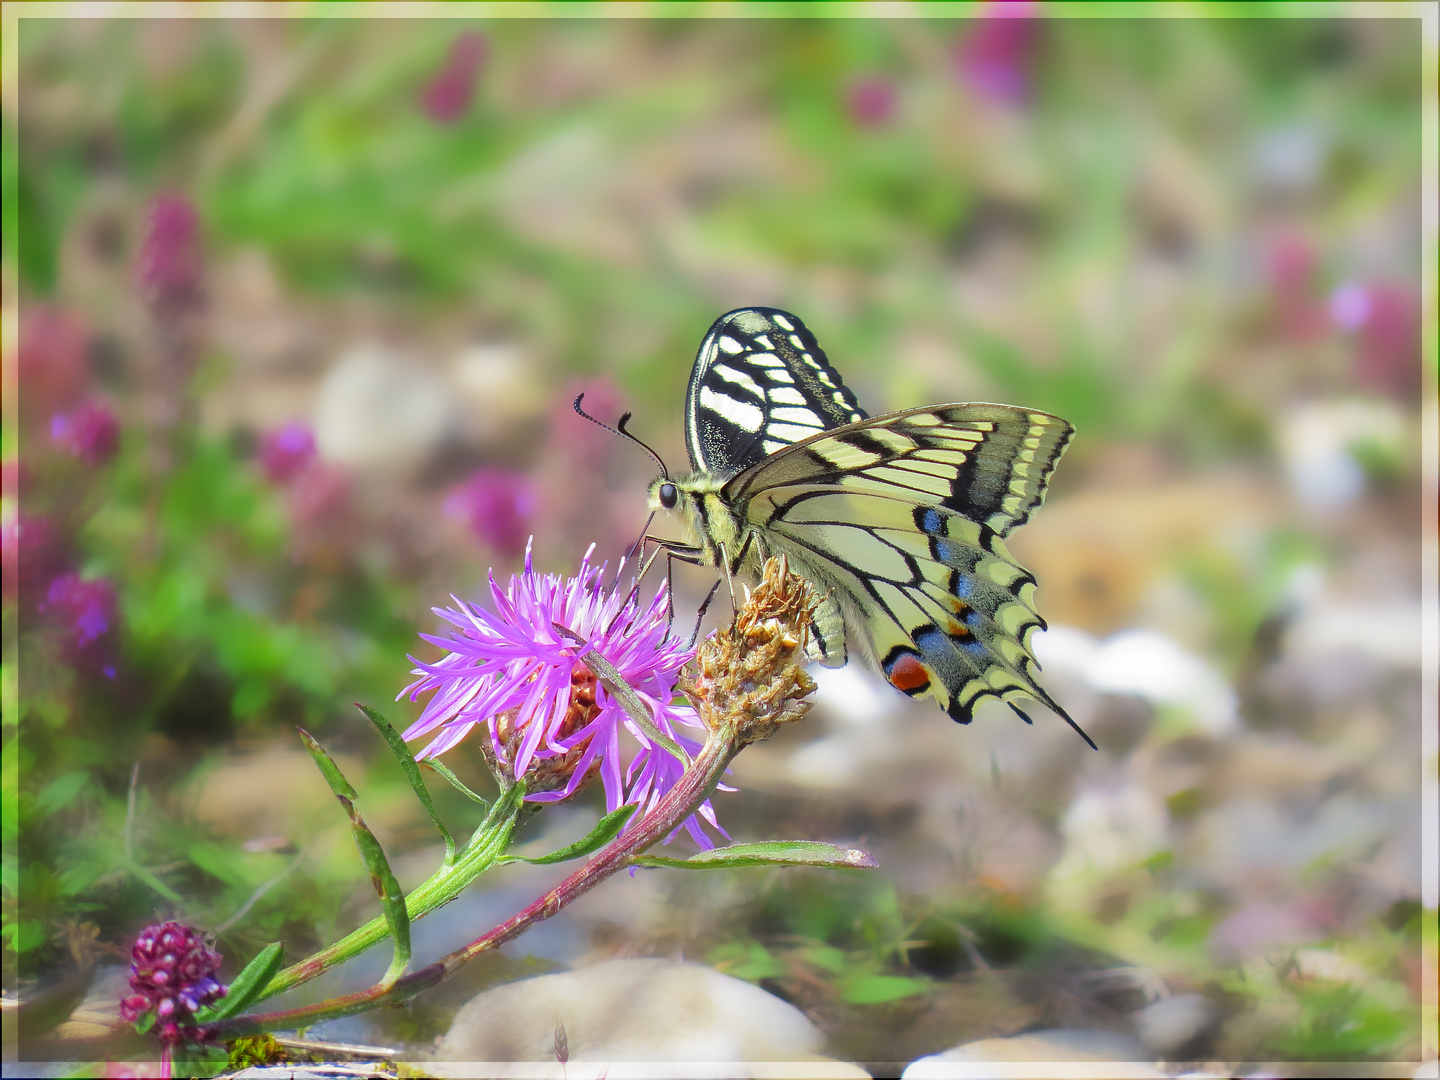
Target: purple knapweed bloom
column 547, row 715
column 996, row 54
column 89, row 432
column 447, row 97
column 172, row 972
column 171, row 261
column 84, row 609
column 285, row 452
column 871, row 101
column 498, row 506
column 1384, row 318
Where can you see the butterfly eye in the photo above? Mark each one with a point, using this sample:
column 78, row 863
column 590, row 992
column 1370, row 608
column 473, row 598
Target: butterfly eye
column 668, row 496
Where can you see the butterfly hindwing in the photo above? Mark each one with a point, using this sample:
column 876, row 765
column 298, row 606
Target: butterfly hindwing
column 760, row 383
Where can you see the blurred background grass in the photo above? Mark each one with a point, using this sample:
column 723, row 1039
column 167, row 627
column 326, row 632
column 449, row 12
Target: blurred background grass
column 337, row 282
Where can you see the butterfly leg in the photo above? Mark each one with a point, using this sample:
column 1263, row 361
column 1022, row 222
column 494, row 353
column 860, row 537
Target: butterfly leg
column 700, row 612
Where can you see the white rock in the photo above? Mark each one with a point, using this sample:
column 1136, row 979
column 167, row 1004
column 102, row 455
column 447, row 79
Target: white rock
column 1124, row 1057
column 1165, row 1026
column 632, row 1011
column 375, row 411
column 1146, row 664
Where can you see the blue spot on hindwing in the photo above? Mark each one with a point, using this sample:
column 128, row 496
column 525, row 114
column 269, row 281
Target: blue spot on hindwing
column 930, row 521
column 962, row 585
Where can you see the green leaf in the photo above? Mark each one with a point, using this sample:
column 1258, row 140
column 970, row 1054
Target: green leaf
column 768, row 853
column 246, row 986
column 608, row 828
column 412, row 773
column 198, row 1060
column 877, row 989
column 57, row 794
column 455, row 781
column 146, row 1022
column 392, row 900
column 24, row 936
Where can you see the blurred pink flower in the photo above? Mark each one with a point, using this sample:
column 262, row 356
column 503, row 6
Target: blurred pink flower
column 576, row 439
column 84, row 609
column 319, row 496
column 31, row 555
column 1292, row 267
column 51, row 362
column 997, row 51
column 286, row 452
column 498, row 506
column 12, row 474
column 1385, row 319
column 871, row 101
column 447, row 96
column 171, row 261
column 89, row 432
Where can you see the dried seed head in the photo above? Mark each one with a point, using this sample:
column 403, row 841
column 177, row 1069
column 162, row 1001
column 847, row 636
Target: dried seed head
column 750, row 676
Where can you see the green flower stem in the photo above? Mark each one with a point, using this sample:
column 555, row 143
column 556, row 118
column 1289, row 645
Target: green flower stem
column 491, row 840
column 694, row 787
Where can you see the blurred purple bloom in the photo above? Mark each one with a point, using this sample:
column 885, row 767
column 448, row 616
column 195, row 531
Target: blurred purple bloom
column 995, row 55
column 284, row 453
column 1292, row 266
column 172, row 972
column 171, row 261
column 871, row 101
column 498, row 506
column 514, row 672
column 85, row 609
column 89, row 432
column 1385, row 319
column 447, row 97
column 32, row 555
column 51, row 362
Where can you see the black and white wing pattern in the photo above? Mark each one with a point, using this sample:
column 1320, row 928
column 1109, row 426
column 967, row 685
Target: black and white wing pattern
column 760, row 383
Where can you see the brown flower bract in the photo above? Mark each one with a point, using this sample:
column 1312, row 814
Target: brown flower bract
column 749, row 676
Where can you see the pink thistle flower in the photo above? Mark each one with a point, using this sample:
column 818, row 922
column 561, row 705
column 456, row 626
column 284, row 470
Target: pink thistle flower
column 286, row 452
column 84, row 609
column 996, row 54
column 89, row 432
column 547, row 714
column 447, row 97
column 172, row 974
column 871, row 101
column 498, row 506
column 171, row 260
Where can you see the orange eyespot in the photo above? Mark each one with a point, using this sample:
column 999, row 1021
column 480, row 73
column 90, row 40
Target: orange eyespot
column 907, row 673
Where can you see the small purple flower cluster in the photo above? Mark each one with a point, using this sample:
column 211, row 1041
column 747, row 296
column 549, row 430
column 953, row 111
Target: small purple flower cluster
column 172, row 974
column 447, row 97
column 171, row 267
column 519, row 671
column 997, row 53
column 89, row 432
column 498, row 506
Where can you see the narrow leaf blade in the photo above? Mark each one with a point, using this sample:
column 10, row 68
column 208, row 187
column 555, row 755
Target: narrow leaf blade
column 392, row 900
column 608, row 828
column 412, row 773
column 455, row 782
column 768, row 853
column 246, row 987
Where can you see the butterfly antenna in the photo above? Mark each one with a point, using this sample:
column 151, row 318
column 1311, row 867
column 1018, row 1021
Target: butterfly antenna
column 620, row 430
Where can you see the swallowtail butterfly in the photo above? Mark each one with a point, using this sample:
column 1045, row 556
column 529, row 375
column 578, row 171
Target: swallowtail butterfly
column 900, row 518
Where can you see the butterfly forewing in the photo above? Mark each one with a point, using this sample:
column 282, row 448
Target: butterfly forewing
column 761, row 383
